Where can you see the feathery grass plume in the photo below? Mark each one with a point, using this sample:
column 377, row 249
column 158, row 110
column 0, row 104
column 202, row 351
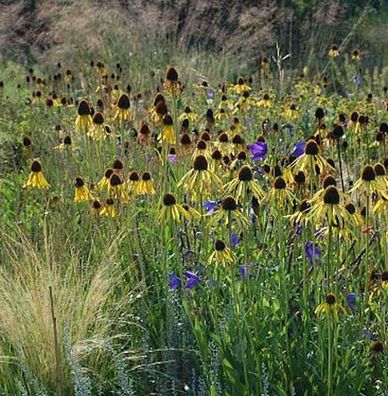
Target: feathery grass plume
column 84, row 301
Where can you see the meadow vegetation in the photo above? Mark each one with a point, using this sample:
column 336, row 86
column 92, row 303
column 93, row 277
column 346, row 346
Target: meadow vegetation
column 193, row 198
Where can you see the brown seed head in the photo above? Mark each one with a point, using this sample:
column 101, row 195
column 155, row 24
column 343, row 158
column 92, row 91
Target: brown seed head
column 245, row 174
column 368, row 173
column 229, row 204
column 331, row 196
column 169, row 200
column 200, row 163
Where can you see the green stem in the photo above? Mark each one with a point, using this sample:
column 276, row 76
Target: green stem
column 330, row 358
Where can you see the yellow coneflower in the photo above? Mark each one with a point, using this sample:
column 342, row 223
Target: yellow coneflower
column 66, row 144
column 330, row 307
column 354, row 123
column 123, row 109
column 381, row 206
column 200, row 180
column 36, row 178
column 118, row 166
column 116, row 187
column 299, row 181
column 96, row 208
column 381, row 176
column 327, row 181
column 241, row 87
column 334, row 51
column 27, row 146
column 97, row 131
column 145, row 185
column 134, row 183
column 221, row 255
column 68, row 78
column 237, row 127
column 216, row 160
column 291, row 113
column 171, row 210
column 225, row 103
column 185, row 126
column 265, row 102
column 223, row 143
column 379, row 140
column 238, row 144
column 329, row 209
column 300, row 216
column 379, row 287
column 168, row 130
column 185, row 142
column 81, row 193
column 244, row 103
column 171, row 85
column 310, row 159
column 238, row 161
column 354, row 214
column 104, row 182
column 83, row 121
column 221, row 115
column 109, row 209
column 229, row 212
column 144, row 136
column 193, row 213
column 116, row 93
column 160, row 109
column 280, row 193
column 265, row 65
column 100, row 69
column 368, row 183
column 286, row 173
column 206, row 136
column 56, row 101
column 188, row 114
column 243, row 185
column 356, row 55
column 201, row 149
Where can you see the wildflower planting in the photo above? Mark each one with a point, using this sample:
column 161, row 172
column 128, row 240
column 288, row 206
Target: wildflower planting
column 190, row 236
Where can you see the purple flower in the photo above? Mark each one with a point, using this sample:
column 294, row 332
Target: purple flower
column 259, row 150
column 357, row 80
column 298, row 230
column 175, row 282
column 188, row 255
column 299, row 148
column 172, row 158
column 234, row 241
column 312, row 252
column 192, row 280
column 210, row 94
column 210, row 206
column 244, row 271
column 351, row 300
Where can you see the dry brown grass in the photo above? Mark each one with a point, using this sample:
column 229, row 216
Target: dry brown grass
column 113, row 29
